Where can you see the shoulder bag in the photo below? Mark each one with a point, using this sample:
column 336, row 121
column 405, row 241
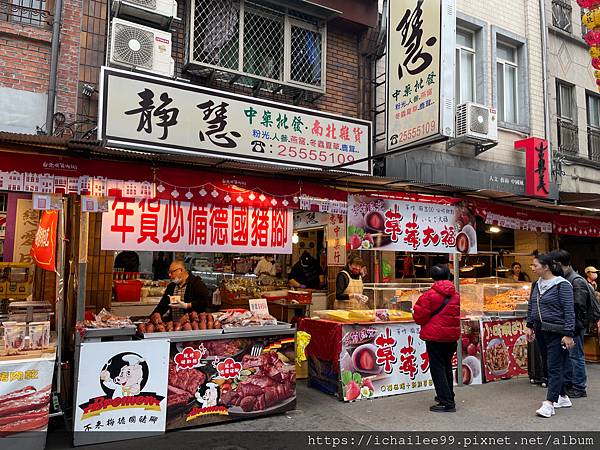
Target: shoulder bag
column 442, row 306
column 547, row 326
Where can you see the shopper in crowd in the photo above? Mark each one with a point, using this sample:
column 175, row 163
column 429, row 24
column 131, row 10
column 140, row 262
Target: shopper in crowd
column 349, row 285
column 517, row 274
column 591, row 274
column 307, row 273
column 188, row 291
column 576, row 377
column 438, row 313
column 551, row 321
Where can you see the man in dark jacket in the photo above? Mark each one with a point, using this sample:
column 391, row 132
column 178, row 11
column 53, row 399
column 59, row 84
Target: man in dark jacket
column 576, row 377
column 184, row 294
column 438, row 313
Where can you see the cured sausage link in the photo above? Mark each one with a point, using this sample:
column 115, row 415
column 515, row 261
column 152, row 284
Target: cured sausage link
column 43, row 412
column 27, row 390
column 27, row 403
column 24, row 425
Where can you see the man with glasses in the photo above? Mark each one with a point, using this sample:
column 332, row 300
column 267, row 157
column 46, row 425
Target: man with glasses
column 184, row 294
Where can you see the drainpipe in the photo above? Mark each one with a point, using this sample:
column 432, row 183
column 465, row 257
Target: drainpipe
column 545, row 68
column 53, row 66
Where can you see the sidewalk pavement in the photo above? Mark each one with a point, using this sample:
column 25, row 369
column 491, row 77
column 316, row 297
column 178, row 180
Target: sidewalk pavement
column 507, row 405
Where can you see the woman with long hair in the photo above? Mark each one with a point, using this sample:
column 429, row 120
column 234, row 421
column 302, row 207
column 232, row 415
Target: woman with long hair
column 551, row 321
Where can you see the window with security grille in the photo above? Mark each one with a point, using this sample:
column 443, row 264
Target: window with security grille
column 561, row 15
column 26, row 12
column 257, row 40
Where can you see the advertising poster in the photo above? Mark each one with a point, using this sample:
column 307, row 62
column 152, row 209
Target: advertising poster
column 171, row 225
column 230, row 379
column 471, row 354
column 25, row 390
column 121, row 391
column 504, row 347
column 382, row 360
column 380, row 223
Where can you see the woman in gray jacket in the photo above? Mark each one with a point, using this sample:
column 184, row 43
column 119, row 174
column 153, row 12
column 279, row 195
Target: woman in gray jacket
column 551, row 320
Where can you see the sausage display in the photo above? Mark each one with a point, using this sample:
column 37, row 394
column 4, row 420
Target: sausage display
column 24, row 410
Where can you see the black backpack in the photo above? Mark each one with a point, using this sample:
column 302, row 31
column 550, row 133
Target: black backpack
column 593, row 307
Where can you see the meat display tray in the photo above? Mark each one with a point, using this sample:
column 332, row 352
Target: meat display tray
column 279, row 326
column 93, row 333
column 192, row 334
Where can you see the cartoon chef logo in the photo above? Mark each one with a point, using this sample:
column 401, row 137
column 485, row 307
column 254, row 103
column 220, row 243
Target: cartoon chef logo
column 124, row 375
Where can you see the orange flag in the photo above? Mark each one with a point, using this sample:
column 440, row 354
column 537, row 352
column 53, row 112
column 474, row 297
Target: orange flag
column 43, row 249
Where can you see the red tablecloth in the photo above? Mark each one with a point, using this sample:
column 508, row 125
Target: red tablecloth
column 325, row 338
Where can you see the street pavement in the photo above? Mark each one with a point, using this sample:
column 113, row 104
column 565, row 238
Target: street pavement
column 507, row 405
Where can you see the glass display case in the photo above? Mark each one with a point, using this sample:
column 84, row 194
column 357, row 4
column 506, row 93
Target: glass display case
column 494, row 297
column 401, row 296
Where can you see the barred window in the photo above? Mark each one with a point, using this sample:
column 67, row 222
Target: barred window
column 26, row 12
column 258, row 40
column 561, row 15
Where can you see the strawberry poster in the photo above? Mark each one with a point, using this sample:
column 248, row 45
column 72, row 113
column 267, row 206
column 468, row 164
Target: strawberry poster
column 382, row 360
column 220, row 380
column 504, row 346
column 470, row 343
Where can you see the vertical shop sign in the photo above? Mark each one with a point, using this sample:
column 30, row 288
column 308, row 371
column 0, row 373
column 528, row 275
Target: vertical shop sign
column 420, row 71
column 336, row 240
column 43, row 248
column 537, row 166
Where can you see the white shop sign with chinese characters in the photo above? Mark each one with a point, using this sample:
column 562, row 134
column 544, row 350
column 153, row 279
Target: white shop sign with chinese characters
column 170, row 225
column 420, row 71
column 381, row 360
column 150, row 113
column 336, row 240
column 121, row 390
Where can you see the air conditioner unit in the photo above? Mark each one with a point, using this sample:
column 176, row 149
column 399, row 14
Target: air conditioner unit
column 159, row 12
column 476, row 122
column 141, row 48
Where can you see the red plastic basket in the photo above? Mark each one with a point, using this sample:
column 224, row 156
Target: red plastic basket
column 128, row 290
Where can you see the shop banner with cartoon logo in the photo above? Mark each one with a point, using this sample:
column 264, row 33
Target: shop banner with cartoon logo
column 221, row 380
column 121, row 391
column 25, row 389
column 382, row 360
column 504, row 348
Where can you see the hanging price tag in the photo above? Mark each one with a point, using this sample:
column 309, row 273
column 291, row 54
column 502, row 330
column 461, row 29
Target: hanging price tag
column 259, row 306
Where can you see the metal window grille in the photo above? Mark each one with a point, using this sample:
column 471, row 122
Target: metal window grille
column 594, row 144
column 253, row 41
column 561, row 15
column 26, row 12
column 568, row 138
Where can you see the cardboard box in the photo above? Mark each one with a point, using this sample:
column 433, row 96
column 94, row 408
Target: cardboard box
column 591, row 348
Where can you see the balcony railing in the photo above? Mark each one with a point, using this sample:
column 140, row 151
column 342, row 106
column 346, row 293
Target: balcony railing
column 568, row 140
column 594, row 144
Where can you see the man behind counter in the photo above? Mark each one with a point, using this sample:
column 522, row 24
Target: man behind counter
column 191, row 290
column 307, row 273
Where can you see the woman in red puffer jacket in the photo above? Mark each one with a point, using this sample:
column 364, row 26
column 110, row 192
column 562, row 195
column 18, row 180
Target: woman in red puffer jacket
column 438, row 313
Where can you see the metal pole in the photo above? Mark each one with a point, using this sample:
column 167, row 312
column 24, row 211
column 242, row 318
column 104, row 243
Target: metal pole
column 60, row 294
column 53, row 66
column 455, row 263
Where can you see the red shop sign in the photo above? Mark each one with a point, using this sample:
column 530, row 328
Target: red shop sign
column 537, row 168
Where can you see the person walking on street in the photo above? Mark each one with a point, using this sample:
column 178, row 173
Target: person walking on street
column 591, row 274
column 551, row 321
column 576, row 377
column 438, row 313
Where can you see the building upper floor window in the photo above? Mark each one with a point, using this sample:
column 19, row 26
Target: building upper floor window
column 561, row 15
column 593, row 111
column 507, row 76
column 465, row 66
column 26, row 12
column 566, row 109
column 263, row 41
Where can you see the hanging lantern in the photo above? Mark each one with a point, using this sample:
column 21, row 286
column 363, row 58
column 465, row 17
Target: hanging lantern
column 591, row 20
column 588, row 4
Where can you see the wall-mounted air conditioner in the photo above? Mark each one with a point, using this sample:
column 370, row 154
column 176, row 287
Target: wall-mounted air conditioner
column 158, row 12
column 139, row 47
column 476, row 122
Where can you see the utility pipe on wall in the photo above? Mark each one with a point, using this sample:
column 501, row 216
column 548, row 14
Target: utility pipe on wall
column 53, row 66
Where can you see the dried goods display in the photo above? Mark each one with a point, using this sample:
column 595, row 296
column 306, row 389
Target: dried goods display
column 506, row 301
column 243, row 318
column 105, row 319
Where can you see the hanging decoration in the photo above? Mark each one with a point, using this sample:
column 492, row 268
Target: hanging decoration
column 591, row 20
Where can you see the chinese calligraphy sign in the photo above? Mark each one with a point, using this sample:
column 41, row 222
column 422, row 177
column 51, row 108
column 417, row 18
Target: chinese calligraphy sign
column 419, row 70
column 153, row 224
column 537, row 166
column 141, row 111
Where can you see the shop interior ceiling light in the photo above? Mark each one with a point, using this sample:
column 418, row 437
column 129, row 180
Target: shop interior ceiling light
column 494, row 229
column 295, row 238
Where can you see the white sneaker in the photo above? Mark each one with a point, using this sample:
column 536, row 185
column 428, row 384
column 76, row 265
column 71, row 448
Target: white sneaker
column 547, row 410
column 563, row 402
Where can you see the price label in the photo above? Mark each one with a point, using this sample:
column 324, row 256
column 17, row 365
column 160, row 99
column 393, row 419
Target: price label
column 259, row 306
